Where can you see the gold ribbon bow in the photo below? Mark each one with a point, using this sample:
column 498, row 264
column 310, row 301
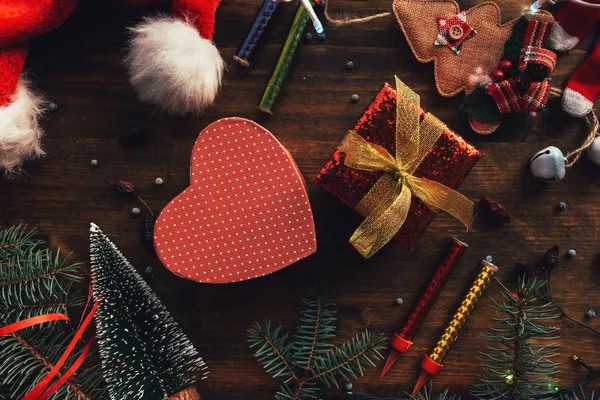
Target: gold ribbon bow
column 386, row 205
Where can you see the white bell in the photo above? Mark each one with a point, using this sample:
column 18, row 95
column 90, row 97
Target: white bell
column 548, row 164
column 593, row 151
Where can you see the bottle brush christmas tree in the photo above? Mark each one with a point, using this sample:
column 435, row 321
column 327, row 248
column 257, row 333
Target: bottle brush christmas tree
column 145, row 354
column 308, row 358
column 34, row 282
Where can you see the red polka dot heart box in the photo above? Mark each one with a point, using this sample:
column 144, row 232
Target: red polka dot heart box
column 246, row 212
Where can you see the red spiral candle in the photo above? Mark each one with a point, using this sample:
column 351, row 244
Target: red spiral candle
column 402, row 340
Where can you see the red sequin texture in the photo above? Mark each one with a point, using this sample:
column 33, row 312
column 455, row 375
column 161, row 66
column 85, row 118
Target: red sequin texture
column 448, row 162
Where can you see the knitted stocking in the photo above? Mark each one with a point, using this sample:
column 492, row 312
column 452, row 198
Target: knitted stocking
column 573, row 22
column 584, row 85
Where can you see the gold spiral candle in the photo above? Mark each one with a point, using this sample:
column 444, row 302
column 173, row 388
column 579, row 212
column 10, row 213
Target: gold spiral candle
column 432, row 363
column 464, row 311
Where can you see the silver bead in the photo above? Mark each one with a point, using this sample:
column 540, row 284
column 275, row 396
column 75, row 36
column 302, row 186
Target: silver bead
column 548, row 164
column 593, row 151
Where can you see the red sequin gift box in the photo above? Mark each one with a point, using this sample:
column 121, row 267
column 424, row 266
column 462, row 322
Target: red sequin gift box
column 448, row 162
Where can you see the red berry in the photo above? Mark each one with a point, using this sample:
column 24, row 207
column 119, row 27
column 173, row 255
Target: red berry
column 498, row 75
column 123, row 187
column 505, row 66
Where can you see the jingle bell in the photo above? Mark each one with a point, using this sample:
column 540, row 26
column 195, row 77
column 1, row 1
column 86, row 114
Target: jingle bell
column 593, row 151
column 548, row 164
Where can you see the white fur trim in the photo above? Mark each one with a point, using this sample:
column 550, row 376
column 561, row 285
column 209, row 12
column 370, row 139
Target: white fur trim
column 172, row 66
column 576, row 104
column 560, row 40
column 20, row 133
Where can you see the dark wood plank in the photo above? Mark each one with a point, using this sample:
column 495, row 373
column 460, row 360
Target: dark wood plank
column 79, row 67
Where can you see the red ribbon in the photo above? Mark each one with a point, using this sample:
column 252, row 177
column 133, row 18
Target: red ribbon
column 42, row 390
column 69, row 372
column 26, row 323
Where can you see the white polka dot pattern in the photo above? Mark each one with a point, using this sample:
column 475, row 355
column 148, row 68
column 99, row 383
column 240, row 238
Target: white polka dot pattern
column 246, row 213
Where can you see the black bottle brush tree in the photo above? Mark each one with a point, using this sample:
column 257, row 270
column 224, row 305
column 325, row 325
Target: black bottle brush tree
column 35, row 282
column 308, row 359
column 145, row 354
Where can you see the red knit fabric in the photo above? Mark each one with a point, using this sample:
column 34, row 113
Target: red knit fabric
column 576, row 19
column 200, row 12
column 21, row 20
column 586, row 79
column 12, row 60
column 24, row 19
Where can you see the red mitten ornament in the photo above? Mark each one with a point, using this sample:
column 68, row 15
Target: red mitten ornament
column 573, row 22
column 20, row 108
column 172, row 61
column 246, row 212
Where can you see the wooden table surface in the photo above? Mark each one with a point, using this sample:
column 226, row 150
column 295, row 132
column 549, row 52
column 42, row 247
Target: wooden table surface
column 79, row 67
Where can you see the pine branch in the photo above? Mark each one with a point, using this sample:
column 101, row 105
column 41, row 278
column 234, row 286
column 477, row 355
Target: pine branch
column 309, row 359
column 317, row 325
column 15, row 240
column 33, row 282
column 349, row 359
column 301, row 391
column 28, row 355
column 36, row 277
column 518, row 363
column 272, row 350
column 574, row 396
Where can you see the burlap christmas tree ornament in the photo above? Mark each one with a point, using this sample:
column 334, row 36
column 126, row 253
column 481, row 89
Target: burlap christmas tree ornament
column 458, row 42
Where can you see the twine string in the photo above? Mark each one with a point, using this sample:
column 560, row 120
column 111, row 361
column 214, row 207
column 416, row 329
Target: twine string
column 592, row 122
column 345, row 18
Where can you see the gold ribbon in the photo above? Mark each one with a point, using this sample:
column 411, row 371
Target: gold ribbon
column 386, row 205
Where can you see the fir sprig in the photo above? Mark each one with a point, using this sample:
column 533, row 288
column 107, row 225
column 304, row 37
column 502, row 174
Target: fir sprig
column 519, row 362
column 309, row 359
column 35, row 281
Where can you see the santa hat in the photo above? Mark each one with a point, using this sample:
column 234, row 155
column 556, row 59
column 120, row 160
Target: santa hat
column 20, row 108
column 172, row 60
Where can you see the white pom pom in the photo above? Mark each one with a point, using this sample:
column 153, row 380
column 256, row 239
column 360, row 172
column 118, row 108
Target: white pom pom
column 172, row 66
column 20, row 133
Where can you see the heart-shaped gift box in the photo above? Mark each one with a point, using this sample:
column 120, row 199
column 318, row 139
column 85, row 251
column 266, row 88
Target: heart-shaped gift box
column 246, row 212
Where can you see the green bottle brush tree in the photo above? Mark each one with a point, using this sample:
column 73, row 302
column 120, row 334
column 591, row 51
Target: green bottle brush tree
column 145, row 354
